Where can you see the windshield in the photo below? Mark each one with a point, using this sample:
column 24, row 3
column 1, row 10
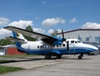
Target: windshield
column 79, row 42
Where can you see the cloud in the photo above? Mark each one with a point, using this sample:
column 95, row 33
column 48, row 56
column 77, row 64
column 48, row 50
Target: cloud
column 73, row 20
column 4, row 21
column 51, row 31
column 4, row 31
column 37, row 18
column 91, row 25
column 44, row 2
column 21, row 23
column 39, row 30
column 52, row 21
column 59, row 30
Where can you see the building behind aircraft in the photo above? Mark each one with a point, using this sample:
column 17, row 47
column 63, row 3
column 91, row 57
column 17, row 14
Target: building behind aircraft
column 88, row 36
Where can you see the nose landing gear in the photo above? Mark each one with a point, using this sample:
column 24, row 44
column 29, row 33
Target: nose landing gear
column 80, row 56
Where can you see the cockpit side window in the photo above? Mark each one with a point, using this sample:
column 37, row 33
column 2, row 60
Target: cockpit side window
column 76, row 42
column 72, row 41
column 79, row 41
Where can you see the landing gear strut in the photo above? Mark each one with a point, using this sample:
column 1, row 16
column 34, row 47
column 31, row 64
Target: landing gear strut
column 80, row 56
column 48, row 56
column 59, row 56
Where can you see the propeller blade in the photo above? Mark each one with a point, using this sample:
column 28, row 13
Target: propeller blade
column 67, row 42
column 67, row 45
column 62, row 34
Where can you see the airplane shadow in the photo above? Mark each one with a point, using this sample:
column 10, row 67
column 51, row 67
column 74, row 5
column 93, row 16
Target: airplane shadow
column 11, row 60
column 19, row 60
column 75, row 58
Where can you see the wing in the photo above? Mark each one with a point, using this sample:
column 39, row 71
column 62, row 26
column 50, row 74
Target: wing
column 45, row 38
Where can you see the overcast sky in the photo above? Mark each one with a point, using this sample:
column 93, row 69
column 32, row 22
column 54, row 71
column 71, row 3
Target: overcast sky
column 47, row 15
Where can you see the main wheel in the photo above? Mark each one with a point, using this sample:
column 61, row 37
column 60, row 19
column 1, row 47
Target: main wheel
column 59, row 56
column 47, row 56
column 79, row 57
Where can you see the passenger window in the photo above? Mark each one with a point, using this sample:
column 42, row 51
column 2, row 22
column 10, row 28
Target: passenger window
column 53, row 45
column 72, row 41
column 57, row 45
column 41, row 46
column 46, row 46
column 37, row 46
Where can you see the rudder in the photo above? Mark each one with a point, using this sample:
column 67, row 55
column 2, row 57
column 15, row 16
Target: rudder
column 18, row 35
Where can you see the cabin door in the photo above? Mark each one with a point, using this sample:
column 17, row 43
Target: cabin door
column 72, row 47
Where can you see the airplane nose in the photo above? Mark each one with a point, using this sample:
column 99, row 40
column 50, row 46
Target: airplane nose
column 91, row 47
column 94, row 48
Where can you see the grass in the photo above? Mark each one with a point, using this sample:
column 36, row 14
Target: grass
column 6, row 61
column 4, row 69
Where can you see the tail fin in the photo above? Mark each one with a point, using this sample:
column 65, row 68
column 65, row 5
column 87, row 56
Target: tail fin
column 18, row 35
column 18, row 43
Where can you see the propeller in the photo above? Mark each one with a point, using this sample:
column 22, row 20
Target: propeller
column 67, row 42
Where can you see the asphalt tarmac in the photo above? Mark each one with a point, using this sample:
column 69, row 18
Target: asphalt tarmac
column 69, row 65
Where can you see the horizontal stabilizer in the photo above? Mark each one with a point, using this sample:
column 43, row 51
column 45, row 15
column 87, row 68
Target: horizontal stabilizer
column 15, row 39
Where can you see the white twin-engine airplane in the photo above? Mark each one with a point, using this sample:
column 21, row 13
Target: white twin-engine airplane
column 48, row 46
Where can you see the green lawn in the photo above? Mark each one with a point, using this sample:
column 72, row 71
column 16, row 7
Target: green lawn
column 4, row 69
column 6, row 61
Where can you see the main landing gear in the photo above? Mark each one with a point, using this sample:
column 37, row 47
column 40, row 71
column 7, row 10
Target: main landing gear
column 48, row 56
column 80, row 56
column 58, row 56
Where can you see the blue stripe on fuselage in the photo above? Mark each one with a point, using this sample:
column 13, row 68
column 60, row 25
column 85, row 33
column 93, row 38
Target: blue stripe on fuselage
column 57, row 50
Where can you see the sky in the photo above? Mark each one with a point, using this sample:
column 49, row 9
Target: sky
column 45, row 16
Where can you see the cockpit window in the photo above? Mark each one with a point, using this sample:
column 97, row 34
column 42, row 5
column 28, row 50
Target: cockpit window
column 76, row 42
column 72, row 41
column 79, row 41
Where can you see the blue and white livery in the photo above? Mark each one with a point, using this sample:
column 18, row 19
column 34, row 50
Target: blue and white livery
column 48, row 45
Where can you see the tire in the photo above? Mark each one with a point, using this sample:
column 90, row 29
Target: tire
column 47, row 56
column 79, row 57
column 59, row 56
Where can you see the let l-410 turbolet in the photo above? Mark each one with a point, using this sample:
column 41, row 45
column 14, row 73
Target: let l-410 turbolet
column 48, row 46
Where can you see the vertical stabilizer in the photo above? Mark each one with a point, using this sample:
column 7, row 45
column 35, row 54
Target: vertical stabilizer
column 18, row 35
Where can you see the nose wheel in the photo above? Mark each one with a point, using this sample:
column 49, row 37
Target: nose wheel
column 80, row 56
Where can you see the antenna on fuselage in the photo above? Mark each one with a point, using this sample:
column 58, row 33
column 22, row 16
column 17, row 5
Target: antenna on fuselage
column 63, row 39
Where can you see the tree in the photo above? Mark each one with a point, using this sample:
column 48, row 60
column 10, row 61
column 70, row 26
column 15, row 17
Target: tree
column 29, row 28
column 54, row 33
column 5, row 42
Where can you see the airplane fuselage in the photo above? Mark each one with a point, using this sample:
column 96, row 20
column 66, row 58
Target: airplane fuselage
column 39, row 47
